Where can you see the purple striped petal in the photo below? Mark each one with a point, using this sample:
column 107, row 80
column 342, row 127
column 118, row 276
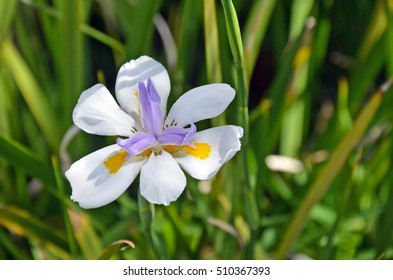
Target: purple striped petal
column 137, row 143
column 152, row 115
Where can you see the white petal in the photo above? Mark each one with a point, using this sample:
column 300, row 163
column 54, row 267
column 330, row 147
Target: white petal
column 200, row 103
column 92, row 183
column 162, row 181
column 98, row 113
column 135, row 71
column 224, row 143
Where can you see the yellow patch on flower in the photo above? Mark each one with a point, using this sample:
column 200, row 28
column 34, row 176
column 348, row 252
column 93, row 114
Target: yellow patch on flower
column 113, row 163
column 136, row 94
column 146, row 152
column 201, row 150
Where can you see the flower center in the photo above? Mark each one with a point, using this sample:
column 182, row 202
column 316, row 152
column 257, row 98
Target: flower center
column 157, row 149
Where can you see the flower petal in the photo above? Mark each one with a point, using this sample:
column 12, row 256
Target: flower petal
column 137, row 143
column 200, row 103
column 98, row 113
column 139, row 70
column 94, row 184
column 152, row 115
column 161, row 180
column 224, row 143
column 176, row 135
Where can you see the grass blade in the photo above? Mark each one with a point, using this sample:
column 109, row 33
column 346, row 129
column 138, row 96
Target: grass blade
column 115, row 247
column 32, row 93
column 7, row 10
column 24, row 224
column 254, row 33
column 212, row 46
column 330, row 171
column 19, row 156
column 85, row 234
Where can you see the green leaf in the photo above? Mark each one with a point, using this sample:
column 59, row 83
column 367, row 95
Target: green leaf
column 19, row 156
column 85, row 234
column 254, row 33
column 115, row 247
column 33, row 95
column 29, row 226
column 7, row 10
column 331, row 170
column 212, row 46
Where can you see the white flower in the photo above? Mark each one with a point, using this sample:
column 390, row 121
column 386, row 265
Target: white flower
column 153, row 145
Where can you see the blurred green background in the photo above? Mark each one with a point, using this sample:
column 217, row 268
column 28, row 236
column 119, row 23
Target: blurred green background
column 314, row 180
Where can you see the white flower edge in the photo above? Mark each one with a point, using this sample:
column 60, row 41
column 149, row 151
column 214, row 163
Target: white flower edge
column 98, row 113
column 135, row 71
column 224, row 142
column 161, row 180
column 92, row 184
column 204, row 102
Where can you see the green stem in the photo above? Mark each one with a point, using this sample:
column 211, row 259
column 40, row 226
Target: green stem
column 236, row 45
column 69, row 230
column 146, row 214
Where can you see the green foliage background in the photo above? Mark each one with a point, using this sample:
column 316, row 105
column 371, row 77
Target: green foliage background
column 311, row 70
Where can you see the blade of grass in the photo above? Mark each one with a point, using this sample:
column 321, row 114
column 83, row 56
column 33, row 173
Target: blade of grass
column 255, row 30
column 115, row 247
column 33, row 95
column 385, row 228
column 85, row 234
column 66, row 218
column 10, row 247
column 212, row 46
column 299, row 13
column 146, row 214
column 330, row 172
column 69, row 63
column 103, row 38
column 374, row 31
column 293, row 123
column 212, row 49
column 140, row 28
column 7, row 10
column 389, row 36
column 19, row 156
column 186, row 32
column 364, row 74
column 235, row 42
column 25, row 224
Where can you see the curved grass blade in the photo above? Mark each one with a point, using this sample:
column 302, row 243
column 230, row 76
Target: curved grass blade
column 330, row 171
column 19, row 156
column 103, row 38
column 33, row 95
column 23, row 223
column 115, row 247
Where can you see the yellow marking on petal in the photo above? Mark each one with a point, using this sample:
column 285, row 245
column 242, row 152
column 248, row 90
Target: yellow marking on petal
column 146, row 153
column 113, row 163
column 201, row 150
column 136, row 94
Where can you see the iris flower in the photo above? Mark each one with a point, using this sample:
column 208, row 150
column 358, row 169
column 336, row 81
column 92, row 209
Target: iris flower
column 156, row 145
